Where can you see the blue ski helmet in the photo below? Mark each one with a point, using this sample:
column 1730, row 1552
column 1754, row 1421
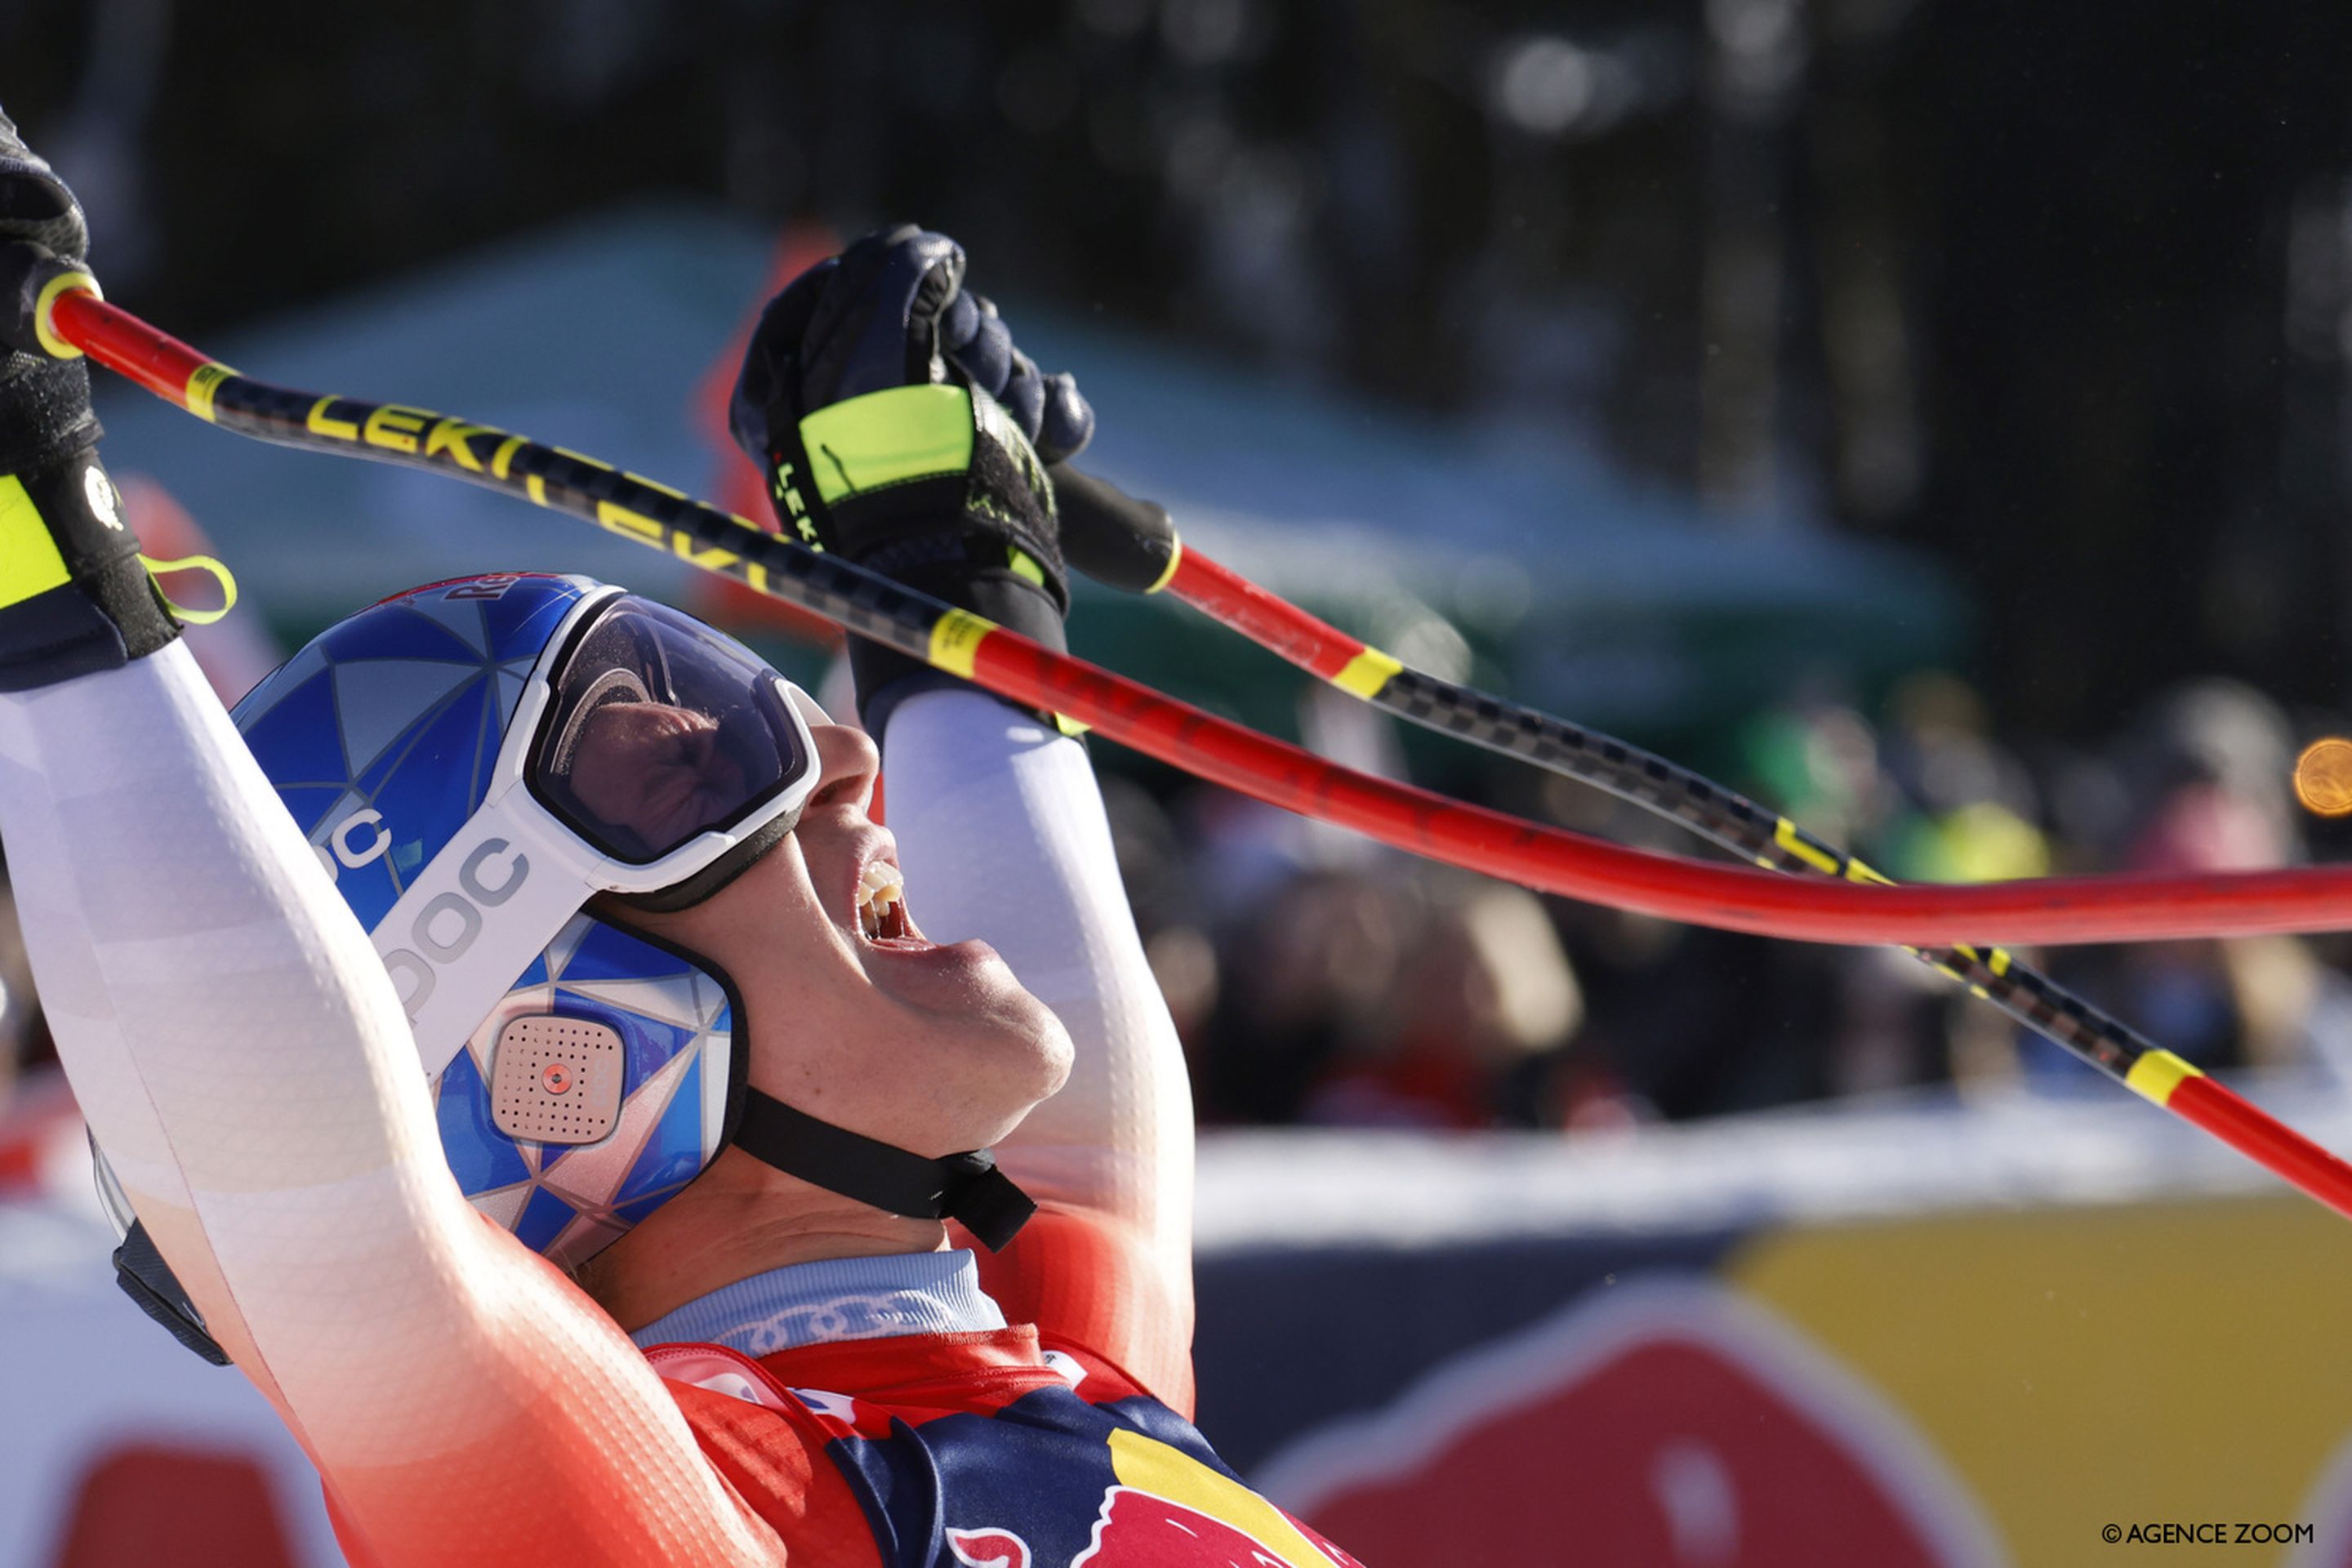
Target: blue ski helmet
column 435, row 750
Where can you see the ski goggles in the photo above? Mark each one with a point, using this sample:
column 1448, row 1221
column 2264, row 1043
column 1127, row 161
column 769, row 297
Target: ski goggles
column 660, row 733
column 648, row 756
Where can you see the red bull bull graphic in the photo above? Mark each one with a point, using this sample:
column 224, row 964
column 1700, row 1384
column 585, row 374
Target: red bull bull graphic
column 1138, row 1530
column 1670, row 1424
column 1168, row 1510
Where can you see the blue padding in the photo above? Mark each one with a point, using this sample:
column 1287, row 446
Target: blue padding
column 483, row 1158
column 672, row 1153
column 544, row 1219
column 296, row 739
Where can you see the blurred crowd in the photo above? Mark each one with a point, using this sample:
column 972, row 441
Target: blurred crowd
column 1317, row 980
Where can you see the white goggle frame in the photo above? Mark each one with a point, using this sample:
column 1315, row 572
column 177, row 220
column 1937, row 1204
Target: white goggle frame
column 499, row 892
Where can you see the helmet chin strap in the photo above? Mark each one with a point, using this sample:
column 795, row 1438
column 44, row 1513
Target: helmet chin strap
column 967, row 1188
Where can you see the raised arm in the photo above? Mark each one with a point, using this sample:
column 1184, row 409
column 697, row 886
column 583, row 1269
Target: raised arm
column 239, row 1053
column 899, row 426
column 1001, row 828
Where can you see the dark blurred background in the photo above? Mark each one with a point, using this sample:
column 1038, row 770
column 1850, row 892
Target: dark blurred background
column 2054, row 294
column 2056, row 298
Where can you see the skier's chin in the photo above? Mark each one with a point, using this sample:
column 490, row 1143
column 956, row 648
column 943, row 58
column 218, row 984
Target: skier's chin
column 978, row 1021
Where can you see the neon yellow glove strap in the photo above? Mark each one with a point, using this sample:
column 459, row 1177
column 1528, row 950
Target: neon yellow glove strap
column 29, row 561
column 890, row 437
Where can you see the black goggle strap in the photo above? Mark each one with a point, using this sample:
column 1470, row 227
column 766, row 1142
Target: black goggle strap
column 967, row 1188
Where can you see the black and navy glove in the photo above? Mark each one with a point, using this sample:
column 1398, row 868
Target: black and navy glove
column 899, row 427
column 75, row 597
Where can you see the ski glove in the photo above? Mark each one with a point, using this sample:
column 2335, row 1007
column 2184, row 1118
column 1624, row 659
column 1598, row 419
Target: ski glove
column 74, row 597
column 899, row 427
column 44, row 402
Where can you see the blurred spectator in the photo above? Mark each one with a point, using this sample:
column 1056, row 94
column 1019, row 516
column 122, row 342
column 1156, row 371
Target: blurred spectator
column 1306, row 979
column 2222, row 734
column 1817, row 761
column 2204, row 787
column 1387, row 991
column 1477, row 1020
column 1968, row 805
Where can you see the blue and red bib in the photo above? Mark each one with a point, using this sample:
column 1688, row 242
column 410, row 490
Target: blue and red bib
column 982, row 1449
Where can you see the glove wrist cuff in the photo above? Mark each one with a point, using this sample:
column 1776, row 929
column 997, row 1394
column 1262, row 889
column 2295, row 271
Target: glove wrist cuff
column 885, row 677
column 75, row 597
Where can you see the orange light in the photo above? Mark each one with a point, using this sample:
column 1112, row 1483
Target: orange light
column 2322, row 777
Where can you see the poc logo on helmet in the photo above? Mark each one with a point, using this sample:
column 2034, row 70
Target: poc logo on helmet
column 446, row 928
column 340, row 854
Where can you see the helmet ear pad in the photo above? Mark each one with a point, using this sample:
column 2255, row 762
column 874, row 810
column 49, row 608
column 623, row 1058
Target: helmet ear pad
column 602, row 912
column 680, row 1018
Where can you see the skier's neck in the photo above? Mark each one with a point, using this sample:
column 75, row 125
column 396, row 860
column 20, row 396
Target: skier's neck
column 740, row 1218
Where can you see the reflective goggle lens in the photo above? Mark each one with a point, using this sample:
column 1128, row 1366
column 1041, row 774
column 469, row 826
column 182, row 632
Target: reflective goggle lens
column 661, row 730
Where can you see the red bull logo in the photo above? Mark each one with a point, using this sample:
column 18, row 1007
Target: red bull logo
column 1675, row 1425
column 1169, row 1510
column 1140, row 1531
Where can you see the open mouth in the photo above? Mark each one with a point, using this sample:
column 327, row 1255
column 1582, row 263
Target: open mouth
column 882, row 903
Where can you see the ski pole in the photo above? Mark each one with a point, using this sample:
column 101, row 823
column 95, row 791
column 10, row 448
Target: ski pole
column 1134, row 546
column 73, row 318
column 1553, row 860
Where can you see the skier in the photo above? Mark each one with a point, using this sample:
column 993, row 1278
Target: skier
column 723, row 1113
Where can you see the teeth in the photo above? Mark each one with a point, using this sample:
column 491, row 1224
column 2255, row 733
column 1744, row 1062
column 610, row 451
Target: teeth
column 879, row 887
